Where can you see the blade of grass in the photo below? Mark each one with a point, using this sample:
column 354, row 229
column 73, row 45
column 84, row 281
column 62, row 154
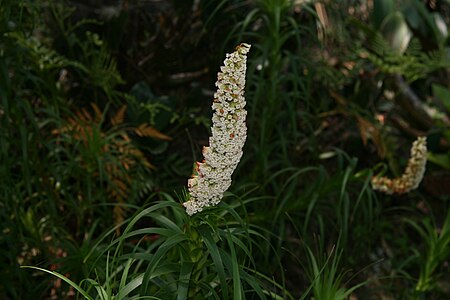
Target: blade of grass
column 65, row 279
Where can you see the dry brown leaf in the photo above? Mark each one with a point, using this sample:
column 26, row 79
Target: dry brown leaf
column 339, row 99
column 368, row 130
column 97, row 111
column 119, row 116
column 118, row 217
column 81, row 127
column 144, row 130
column 80, row 116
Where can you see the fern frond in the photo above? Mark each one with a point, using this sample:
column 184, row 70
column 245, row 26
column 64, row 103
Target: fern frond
column 97, row 112
column 119, row 117
column 412, row 65
column 144, row 130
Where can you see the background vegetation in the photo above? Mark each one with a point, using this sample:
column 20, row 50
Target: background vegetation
column 105, row 105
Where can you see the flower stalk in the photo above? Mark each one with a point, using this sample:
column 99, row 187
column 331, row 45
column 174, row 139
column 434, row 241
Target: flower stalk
column 212, row 177
column 412, row 176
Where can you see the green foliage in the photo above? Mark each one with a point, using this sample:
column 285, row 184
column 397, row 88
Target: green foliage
column 413, row 63
column 437, row 251
column 187, row 258
column 326, row 280
column 103, row 109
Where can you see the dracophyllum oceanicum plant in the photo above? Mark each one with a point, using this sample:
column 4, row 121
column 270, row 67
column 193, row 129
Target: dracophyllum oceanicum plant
column 212, row 176
column 411, row 178
column 192, row 257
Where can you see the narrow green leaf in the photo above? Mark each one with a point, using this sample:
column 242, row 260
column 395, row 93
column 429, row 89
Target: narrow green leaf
column 215, row 255
column 62, row 277
column 131, row 286
column 184, row 279
column 237, row 287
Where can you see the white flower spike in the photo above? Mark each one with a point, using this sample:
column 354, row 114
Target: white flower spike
column 212, row 177
column 412, row 176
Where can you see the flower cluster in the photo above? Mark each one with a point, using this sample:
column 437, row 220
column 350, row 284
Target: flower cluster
column 413, row 174
column 212, row 176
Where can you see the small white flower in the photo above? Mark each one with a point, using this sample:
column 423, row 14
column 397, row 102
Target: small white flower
column 412, row 176
column 212, row 177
